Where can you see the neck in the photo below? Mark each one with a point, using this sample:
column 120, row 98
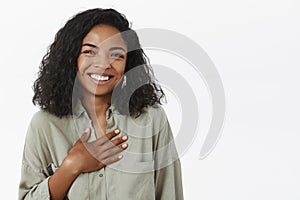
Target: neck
column 96, row 106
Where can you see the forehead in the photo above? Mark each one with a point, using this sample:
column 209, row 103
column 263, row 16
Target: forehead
column 104, row 35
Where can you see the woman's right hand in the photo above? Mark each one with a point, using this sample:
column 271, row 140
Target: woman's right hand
column 91, row 156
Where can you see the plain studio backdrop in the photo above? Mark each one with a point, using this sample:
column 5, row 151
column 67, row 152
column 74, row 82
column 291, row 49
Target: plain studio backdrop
column 255, row 47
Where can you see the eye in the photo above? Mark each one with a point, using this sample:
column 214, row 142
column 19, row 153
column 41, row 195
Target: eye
column 89, row 52
column 117, row 55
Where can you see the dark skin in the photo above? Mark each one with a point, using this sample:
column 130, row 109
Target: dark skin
column 104, row 58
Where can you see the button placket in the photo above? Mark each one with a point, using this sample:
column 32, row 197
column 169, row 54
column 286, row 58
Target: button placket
column 101, row 173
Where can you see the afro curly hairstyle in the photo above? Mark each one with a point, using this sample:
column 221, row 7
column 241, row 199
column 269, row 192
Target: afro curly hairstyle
column 53, row 89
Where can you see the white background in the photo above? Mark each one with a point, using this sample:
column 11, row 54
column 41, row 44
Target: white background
column 255, row 46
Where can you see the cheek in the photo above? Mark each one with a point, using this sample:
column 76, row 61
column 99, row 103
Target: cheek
column 121, row 71
column 122, row 68
column 119, row 68
column 82, row 64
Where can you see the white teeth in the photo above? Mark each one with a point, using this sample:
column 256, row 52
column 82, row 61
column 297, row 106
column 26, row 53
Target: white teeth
column 99, row 78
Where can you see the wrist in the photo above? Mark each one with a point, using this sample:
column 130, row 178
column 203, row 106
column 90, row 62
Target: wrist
column 69, row 165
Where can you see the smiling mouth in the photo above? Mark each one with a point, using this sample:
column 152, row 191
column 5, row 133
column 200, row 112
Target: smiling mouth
column 98, row 77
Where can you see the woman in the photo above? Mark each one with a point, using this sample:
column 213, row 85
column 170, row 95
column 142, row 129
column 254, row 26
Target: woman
column 100, row 133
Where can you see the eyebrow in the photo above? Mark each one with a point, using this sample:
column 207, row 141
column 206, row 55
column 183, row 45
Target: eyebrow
column 111, row 49
column 117, row 48
column 90, row 45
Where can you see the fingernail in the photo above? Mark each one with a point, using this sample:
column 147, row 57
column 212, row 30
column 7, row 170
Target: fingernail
column 120, row 156
column 124, row 145
column 117, row 131
column 124, row 137
column 86, row 130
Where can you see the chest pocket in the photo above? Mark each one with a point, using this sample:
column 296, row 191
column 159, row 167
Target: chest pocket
column 134, row 182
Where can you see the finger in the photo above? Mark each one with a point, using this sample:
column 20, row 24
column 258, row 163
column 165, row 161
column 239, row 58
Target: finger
column 112, row 159
column 86, row 135
column 98, row 150
column 115, row 142
column 107, row 137
column 112, row 151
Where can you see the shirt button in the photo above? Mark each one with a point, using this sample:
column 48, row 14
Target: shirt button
column 100, row 175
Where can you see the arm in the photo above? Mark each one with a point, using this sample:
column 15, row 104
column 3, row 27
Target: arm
column 33, row 184
column 60, row 182
column 34, row 173
column 37, row 183
column 84, row 157
column 168, row 182
column 168, row 178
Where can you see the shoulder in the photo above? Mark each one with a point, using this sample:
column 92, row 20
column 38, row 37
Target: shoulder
column 43, row 118
column 156, row 114
column 156, row 111
column 39, row 123
column 42, row 122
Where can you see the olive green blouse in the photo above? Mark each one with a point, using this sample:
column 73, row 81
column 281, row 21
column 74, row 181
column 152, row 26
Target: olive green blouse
column 150, row 168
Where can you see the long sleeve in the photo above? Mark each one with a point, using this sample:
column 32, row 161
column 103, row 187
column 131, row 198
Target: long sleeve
column 33, row 185
column 34, row 173
column 168, row 178
column 169, row 182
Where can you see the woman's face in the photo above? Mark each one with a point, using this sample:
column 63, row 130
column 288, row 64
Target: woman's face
column 102, row 60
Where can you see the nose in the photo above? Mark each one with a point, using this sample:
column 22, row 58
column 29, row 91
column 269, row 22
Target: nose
column 102, row 61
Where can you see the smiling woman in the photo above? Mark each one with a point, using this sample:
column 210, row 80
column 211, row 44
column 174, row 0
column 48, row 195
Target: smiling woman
column 101, row 132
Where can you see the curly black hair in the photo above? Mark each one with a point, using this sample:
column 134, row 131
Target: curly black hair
column 54, row 86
